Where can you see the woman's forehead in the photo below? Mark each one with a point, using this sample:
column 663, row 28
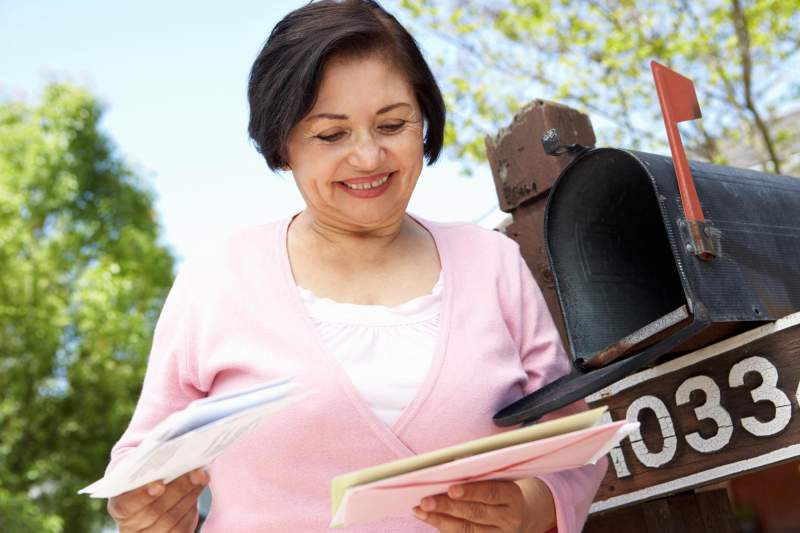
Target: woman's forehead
column 365, row 85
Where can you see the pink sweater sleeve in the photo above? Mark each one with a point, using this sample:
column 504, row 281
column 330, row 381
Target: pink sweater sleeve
column 544, row 360
column 169, row 380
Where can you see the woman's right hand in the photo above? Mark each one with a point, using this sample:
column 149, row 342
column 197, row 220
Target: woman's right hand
column 157, row 508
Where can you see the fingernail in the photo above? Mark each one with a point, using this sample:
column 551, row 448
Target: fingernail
column 456, row 491
column 155, row 489
column 197, row 477
column 428, row 504
column 420, row 514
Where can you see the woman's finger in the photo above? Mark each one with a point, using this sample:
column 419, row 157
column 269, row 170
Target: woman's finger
column 176, row 515
column 187, row 523
column 450, row 524
column 129, row 503
column 479, row 513
column 489, row 492
column 173, row 493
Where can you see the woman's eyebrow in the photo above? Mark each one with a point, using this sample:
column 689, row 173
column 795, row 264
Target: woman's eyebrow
column 334, row 116
column 390, row 107
column 331, row 116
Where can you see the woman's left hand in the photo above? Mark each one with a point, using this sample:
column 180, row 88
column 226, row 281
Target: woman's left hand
column 483, row 506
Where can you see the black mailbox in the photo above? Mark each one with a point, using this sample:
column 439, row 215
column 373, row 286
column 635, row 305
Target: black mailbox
column 624, row 263
column 631, row 284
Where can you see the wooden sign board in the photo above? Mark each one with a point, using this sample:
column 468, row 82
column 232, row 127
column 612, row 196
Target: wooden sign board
column 706, row 416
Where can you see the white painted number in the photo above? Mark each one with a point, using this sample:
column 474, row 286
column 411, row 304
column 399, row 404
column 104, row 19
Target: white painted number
column 764, row 392
column 711, row 409
column 645, row 456
column 617, row 458
column 797, row 395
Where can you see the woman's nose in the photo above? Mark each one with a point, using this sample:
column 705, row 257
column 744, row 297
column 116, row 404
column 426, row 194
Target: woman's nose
column 367, row 153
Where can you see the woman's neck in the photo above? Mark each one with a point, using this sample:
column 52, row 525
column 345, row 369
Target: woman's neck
column 385, row 266
column 351, row 243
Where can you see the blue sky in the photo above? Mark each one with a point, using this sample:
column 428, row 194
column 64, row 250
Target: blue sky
column 173, row 76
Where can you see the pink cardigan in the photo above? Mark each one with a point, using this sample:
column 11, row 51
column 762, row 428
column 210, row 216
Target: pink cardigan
column 235, row 319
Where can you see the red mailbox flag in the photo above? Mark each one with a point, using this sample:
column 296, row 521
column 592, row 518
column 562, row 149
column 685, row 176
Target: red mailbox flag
column 676, row 95
column 678, row 101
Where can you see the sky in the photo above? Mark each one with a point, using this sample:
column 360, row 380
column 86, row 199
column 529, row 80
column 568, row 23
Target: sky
column 173, row 78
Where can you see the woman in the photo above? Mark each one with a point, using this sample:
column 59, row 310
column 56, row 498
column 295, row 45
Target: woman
column 412, row 333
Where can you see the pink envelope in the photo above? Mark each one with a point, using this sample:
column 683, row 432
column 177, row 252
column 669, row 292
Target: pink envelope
column 397, row 495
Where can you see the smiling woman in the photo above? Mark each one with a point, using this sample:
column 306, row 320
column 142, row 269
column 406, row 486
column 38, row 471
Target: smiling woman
column 412, row 333
column 360, row 142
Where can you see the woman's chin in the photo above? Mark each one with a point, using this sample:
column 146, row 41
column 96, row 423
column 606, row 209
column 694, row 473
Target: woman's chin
column 375, row 219
column 375, row 212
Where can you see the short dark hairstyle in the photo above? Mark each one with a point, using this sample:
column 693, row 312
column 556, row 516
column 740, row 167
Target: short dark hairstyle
column 285, row 77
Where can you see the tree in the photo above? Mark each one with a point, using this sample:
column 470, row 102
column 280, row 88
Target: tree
column 594, row 55
column 82, row 279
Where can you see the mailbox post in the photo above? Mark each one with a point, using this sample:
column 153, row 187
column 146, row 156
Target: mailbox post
column 523, row 175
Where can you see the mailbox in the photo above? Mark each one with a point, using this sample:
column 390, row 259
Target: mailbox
column 632, row 283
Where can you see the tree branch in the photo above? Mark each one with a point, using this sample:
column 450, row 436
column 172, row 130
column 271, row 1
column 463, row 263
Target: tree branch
column 739, row 19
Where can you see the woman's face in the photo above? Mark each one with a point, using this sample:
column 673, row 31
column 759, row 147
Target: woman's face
column 357, row 155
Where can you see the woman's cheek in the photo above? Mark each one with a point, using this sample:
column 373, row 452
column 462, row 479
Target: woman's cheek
column 409, row 145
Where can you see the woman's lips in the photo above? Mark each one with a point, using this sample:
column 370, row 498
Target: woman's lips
column 365, row 179
column 364, row 191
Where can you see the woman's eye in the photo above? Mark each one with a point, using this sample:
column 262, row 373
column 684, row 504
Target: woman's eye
column 333, row 137
column 392, row 126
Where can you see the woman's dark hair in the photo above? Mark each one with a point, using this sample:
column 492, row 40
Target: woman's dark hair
column 286, row 75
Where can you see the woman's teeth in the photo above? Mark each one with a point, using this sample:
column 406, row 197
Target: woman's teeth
column 371, row 185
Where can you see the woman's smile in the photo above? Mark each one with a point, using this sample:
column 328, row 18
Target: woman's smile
column 368, row 186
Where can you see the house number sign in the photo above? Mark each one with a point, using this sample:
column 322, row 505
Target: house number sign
column 706, row 416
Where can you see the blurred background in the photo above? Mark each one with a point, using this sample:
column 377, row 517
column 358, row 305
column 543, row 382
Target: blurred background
column 123, row 150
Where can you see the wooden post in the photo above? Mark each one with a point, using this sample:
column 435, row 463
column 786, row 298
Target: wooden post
column 685, row 512
column 523, row 175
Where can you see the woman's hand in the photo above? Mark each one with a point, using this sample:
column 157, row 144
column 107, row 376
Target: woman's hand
column 157, row 508
column 491, row 506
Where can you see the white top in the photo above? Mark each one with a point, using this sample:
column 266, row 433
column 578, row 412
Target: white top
column 386, row 351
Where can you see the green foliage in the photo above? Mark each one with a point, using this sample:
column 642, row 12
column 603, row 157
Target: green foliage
column 19, row 515
column 82, row 279
column 594, row 56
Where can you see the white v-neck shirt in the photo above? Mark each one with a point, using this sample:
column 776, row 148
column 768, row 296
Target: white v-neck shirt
column 386, row 351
